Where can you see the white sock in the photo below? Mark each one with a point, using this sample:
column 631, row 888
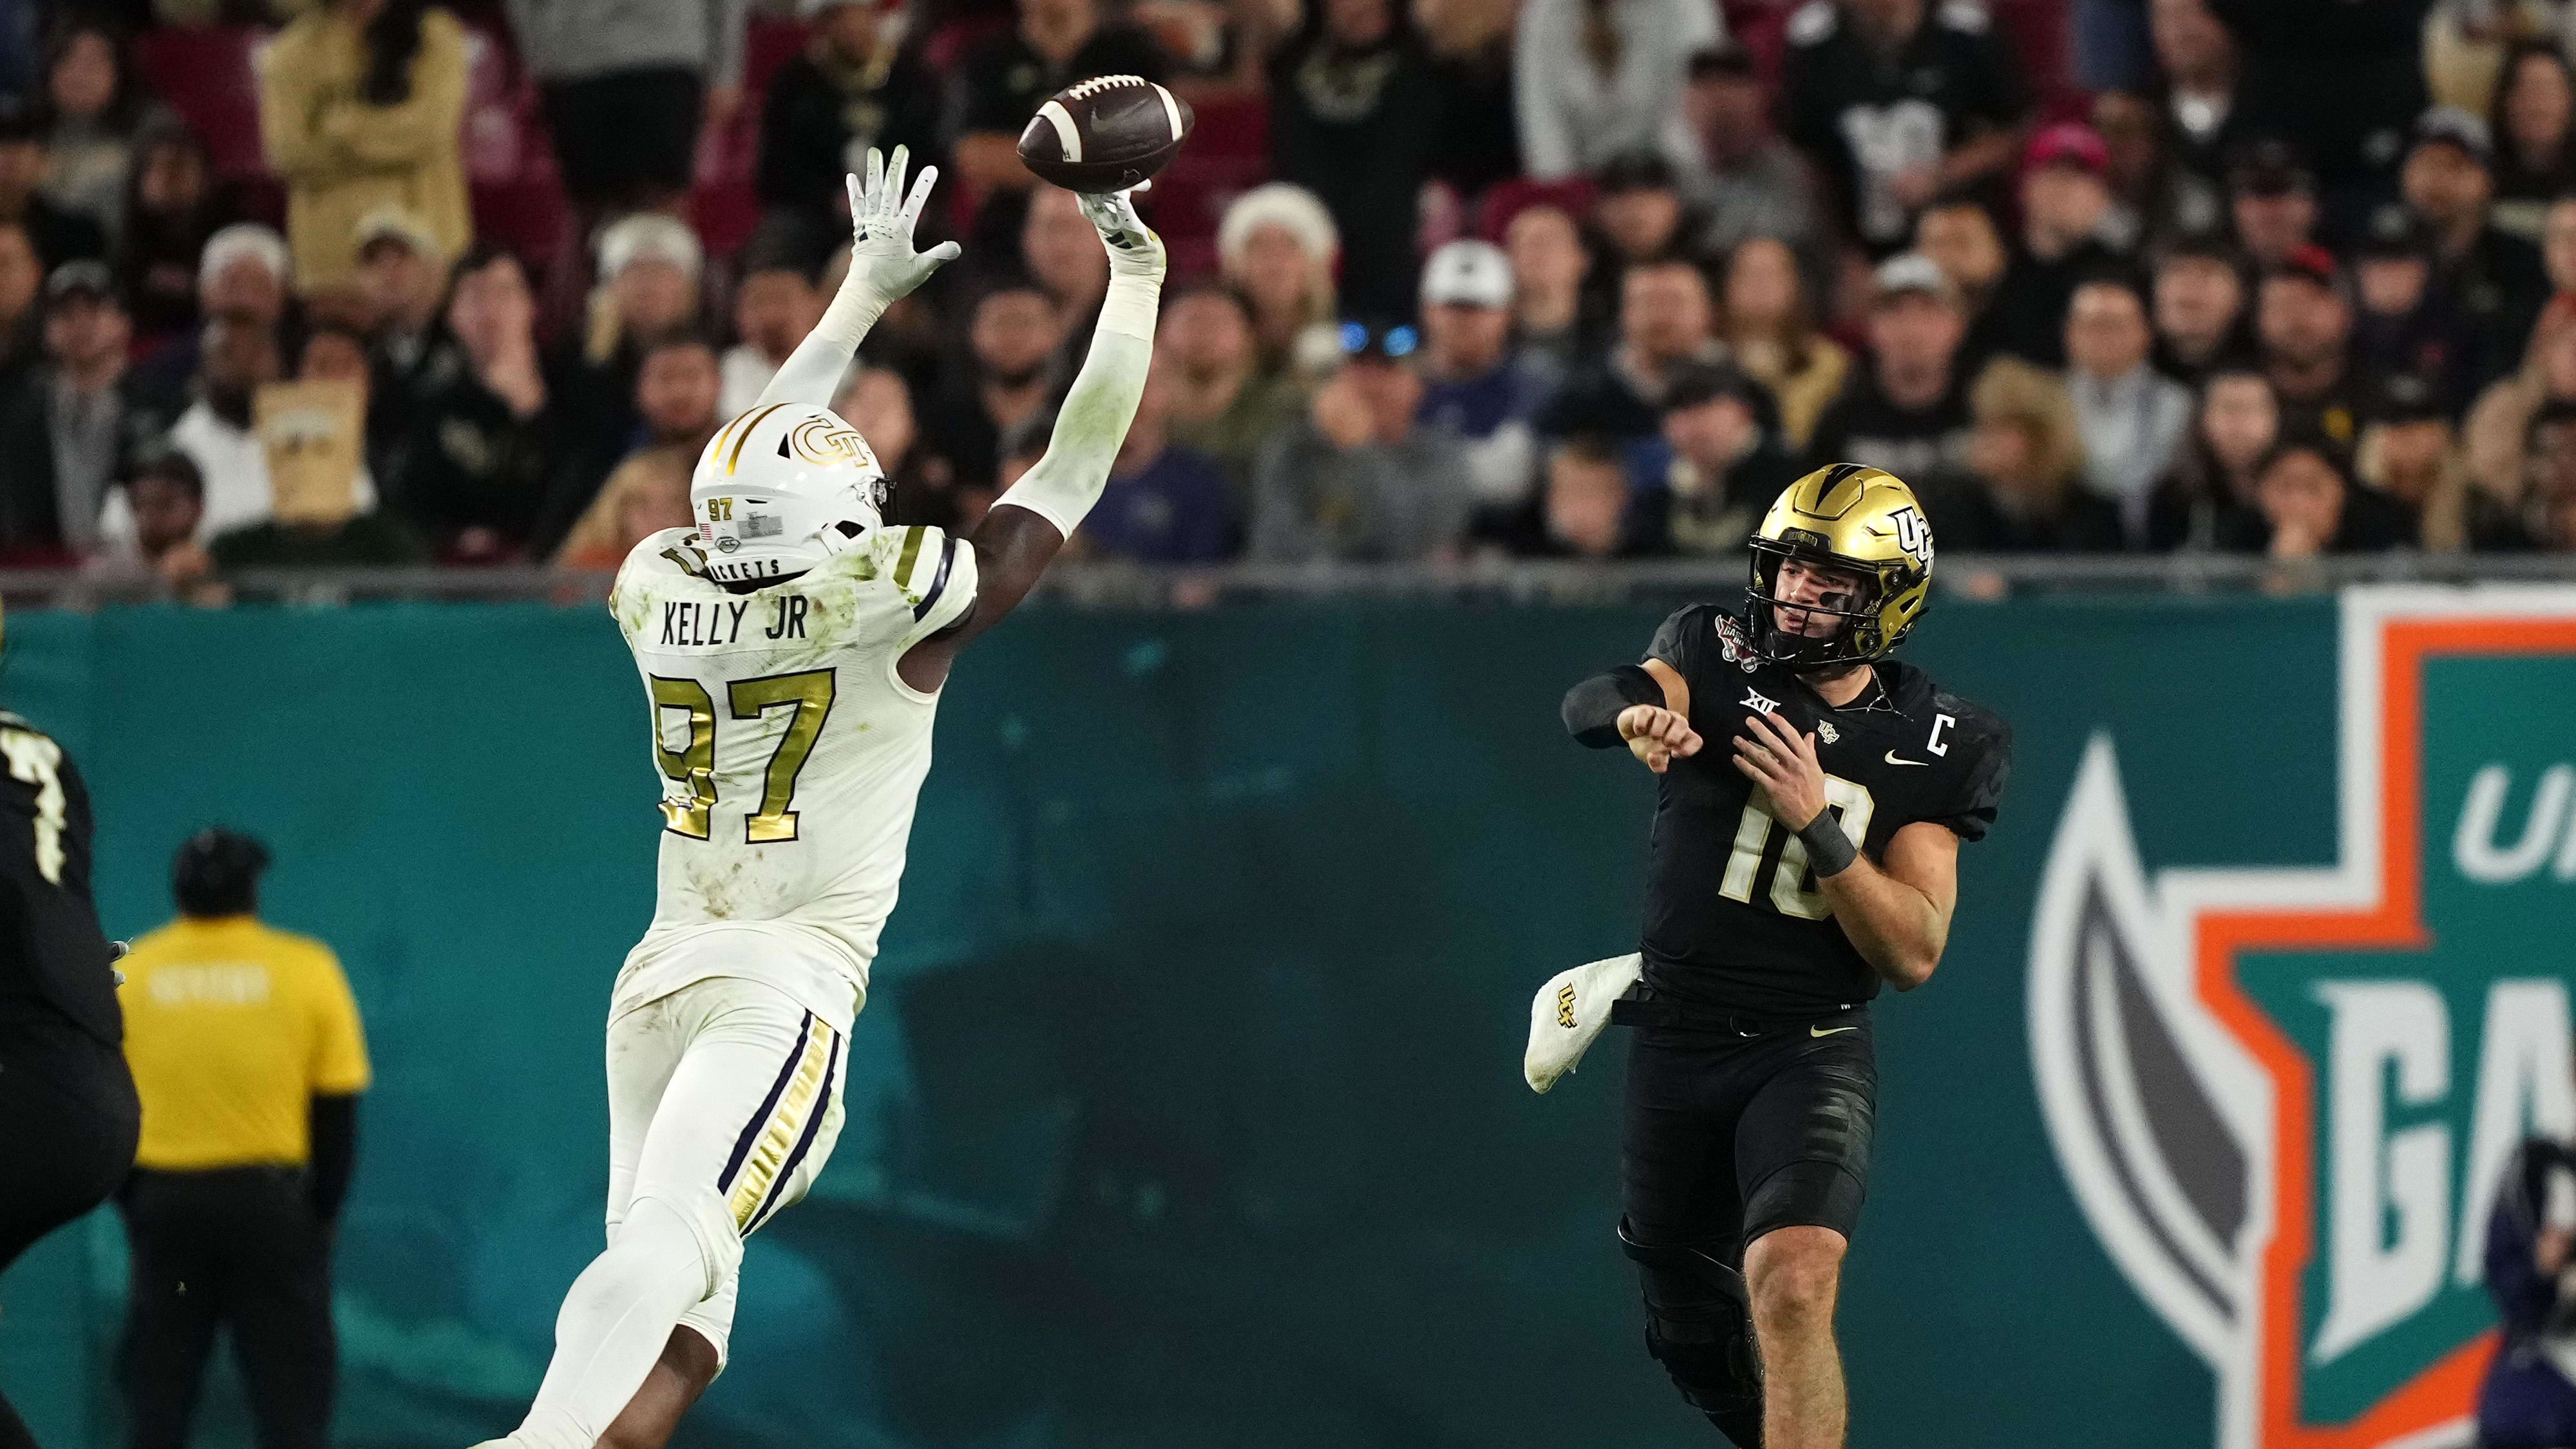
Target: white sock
column 620, row 1312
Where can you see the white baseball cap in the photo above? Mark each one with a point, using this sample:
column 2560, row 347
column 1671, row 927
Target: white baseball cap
column 1473, row 273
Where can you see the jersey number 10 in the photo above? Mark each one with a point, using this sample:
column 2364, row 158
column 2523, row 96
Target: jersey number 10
column 1791, row 894
column 694, row 765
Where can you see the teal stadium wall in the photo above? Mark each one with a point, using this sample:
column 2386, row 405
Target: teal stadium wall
column 1186, row 1110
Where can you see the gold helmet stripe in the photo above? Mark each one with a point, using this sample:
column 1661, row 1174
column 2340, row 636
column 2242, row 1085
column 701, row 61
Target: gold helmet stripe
column 748, row 428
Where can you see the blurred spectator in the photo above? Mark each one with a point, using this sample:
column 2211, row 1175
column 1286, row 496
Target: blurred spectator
column 1007, row 378
column 62, row 428
column 1355, row 118
column 2402, row 326
column 173, row 205
column 1725, row 469
column 249, row 1057
column 1358, row 478
column 2131, row 420
column 2492, row 282
column 2201, row 109
column 878, row 402
column 59, row 235
column 1550, row 265
column 2342, row 81
column 1666, row 321
column 1596, row 79
column 2065, row 205
column 92, row 111
column 242, row 275
column 1907, row 412
column 1895, row 100
column 1277, row 247
column 1219, row 402
column 773, row 309
column 1471, row 42
column 2558, row 261
column 1584, row 506
column 337, row 351
column 2134, row 168
column 2407, row 455
column 1743, row 179
column 1769, row 329
column 648, row 493
column 2207, row 501
column 2535, row 157
column 1959, row 234
column 2272, row 200
column 2549, row 509
column 1165, row 503
column 1473, row 388
column 856, row 84
column 22, row 276
column 168, row 500
column 359, row 105
column 2312, row 508
column 2303, row 318
column 649, row 269
column 485, row 450
column 2024, row 490
column 236, row 355
column 1638, row 209
column 322, row 531
column 1062, row 252
column 2200, row 310
column 402, row 284
column 678, row 384
column 2498, row 426
column 626, row 85
column 1001, row 83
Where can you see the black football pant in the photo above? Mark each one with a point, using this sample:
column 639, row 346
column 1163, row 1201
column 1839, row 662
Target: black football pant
column 68, row 1121
column 1729, row 1136
column 238, row 1248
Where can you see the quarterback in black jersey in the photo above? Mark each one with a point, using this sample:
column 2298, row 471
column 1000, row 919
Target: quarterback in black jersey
column 66, row 1099
column 1805, row 852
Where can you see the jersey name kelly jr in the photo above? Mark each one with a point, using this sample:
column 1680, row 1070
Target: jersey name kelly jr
column 720, row 622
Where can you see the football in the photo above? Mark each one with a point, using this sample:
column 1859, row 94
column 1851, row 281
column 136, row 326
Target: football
column 1105, row 134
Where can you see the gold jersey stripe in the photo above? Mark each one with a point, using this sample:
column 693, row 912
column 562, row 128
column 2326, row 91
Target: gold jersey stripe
column 786, row 1124
column 904, row 561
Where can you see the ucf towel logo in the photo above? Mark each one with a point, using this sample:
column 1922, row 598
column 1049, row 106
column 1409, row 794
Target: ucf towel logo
column 1565, row 1006
column 2284, row 1094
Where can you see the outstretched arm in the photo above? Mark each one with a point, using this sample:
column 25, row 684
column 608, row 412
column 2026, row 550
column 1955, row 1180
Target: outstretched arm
column 1028, row 524
column 883, row 270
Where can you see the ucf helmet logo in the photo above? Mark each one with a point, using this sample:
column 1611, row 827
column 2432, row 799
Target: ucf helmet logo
column 2284, row 1095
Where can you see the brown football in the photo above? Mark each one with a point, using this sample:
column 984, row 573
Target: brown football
column 1105, row 134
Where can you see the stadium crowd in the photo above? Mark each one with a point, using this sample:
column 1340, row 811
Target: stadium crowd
column 378, row 281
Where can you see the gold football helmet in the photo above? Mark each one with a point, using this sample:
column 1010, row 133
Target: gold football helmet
column 1858, row 519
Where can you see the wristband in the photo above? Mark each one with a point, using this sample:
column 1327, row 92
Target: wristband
column 1829, row 851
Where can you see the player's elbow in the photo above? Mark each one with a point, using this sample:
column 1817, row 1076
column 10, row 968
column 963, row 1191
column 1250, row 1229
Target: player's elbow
column 1911, row 968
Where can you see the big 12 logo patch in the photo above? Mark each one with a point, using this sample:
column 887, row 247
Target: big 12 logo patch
column 2285, row 1096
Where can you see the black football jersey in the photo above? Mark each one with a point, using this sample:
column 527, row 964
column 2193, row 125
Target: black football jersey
column 52, row 953
column 1734, row 922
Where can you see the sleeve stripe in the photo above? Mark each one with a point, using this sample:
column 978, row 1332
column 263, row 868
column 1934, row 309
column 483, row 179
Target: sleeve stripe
column 938, row 581
column 903, row 561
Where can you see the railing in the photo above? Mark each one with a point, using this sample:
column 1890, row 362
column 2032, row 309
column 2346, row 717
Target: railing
column 1959, row 576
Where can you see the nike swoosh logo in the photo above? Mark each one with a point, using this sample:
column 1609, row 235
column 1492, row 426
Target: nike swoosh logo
column 1894, row 760
column 1829, row 1030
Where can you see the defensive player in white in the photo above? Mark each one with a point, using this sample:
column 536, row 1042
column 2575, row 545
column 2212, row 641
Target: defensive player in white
column 793, row 646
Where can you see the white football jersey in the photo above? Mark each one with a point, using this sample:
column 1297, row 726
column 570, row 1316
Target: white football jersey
column 789, row 753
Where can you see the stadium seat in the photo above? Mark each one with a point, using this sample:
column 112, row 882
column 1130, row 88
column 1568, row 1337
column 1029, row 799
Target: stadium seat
column 209, row 75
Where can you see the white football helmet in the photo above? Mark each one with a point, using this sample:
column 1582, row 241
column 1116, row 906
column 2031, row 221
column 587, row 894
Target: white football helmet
column 782, row 488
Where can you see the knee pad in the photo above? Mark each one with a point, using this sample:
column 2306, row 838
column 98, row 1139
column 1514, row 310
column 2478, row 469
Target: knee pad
column 703, row 1229
column 1699, row 1327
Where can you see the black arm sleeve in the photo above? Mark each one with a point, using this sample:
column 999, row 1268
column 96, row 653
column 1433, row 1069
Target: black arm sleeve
column 1592, row 708
column 335, row 1154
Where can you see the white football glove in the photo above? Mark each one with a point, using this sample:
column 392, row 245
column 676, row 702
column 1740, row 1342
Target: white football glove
column 1134, row 250
column 1570, row 1011
column 882, row 217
